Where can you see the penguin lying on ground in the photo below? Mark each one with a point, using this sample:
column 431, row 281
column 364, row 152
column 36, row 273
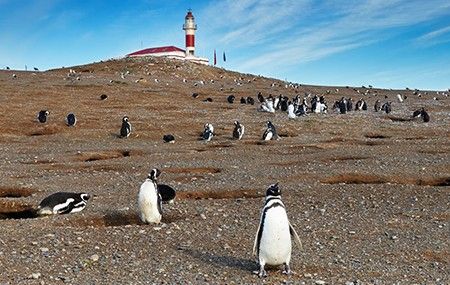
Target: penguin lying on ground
column 63, row 203
column 421, row 113
column 42, row 116
column 169, row 138
column 71, row 120
column 273, row 239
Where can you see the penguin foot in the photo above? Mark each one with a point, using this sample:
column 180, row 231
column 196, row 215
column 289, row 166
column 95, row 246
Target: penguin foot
column 261, row 273
column 287, row 270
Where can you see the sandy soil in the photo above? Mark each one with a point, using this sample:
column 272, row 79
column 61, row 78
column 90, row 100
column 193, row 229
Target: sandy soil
column 367, row 192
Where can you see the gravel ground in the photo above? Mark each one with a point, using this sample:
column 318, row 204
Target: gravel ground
column 367, row 192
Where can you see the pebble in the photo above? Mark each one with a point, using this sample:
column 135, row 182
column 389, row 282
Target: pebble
column 36, row 275
column 44, row 249
column 94, row 257
column 320, row 282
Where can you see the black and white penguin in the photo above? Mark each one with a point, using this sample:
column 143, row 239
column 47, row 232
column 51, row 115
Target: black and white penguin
column 43, row 115
column 125, row 130
column 273, row 239
column 149, row 199
column 377, row 106
column 194, row 95
column 208, row 132
column 270, row 132
column 169, row 138
column 260, row 97
column 349, row 104
column 342, row 104
column 284, row 104
column 71, row 120
column 423, row 114
column 238, row 131
column 167, row 193
column 243, row 101
column 63, row 203
column 250, row 101
column 230, row 99
column 290, row 111
column 103, row 97
column 386, row 107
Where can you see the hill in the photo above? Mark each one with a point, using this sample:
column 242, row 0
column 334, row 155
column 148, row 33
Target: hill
column 367, row 192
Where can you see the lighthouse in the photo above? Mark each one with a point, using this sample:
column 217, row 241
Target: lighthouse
column 189, row 27
column 174, row 52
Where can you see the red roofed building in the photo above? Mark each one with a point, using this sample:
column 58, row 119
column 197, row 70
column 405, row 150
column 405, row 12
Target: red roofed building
column 174, row 52
column 168, row 51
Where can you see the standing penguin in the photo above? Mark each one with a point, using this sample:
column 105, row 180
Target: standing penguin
column 377, row 106
column 125, row 130
column 238, row 131
column 42, row 116
column 270, row 132
column 149, row 199
column 62, row 203
column 208, row 132
column 71, row 120
column 273, row 239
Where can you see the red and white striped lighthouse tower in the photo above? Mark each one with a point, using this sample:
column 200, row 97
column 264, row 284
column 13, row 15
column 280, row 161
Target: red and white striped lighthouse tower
column 190, row 27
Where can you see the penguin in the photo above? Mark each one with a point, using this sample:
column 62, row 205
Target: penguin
column 425, row 116
column 230, row 99
column 342, row 104
column 103, row 97
column 194, row 95
column 238, row 131
column 63, row 203
column 169, row 138
column 349, row 104
column 386, row 107
column 125, row 130
column 422, row 113
column 71, row 120
column 42, row 116
column 270, row 132
column 149, row 199
column 272, row 244
column 260, row 97
column 250, row 100
column 208, row 132
column 209, row 99
column 377, row 106
column 284, row 104
column 167, row 193
column 243, row 101
column 290, row 110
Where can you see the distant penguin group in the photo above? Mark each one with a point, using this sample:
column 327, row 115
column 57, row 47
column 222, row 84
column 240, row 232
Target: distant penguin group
column 42, row 117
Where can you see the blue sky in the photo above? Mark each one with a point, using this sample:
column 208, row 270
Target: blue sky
column 384, row 43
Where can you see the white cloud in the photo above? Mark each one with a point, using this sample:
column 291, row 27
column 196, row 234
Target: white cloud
column 283, row 33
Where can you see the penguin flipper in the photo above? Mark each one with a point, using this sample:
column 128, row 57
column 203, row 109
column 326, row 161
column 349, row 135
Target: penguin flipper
column 159, row 203
column 295, row 235
column 256, row 243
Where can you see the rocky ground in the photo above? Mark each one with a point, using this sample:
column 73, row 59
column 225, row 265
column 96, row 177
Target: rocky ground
column 367, row 192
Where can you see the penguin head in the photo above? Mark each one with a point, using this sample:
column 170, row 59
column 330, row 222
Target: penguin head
column 154, row 174
column 125, row 119
column 85, row 196
column 273, row 190
column 236, row 123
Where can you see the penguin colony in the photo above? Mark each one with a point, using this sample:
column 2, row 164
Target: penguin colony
column 272, row 244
